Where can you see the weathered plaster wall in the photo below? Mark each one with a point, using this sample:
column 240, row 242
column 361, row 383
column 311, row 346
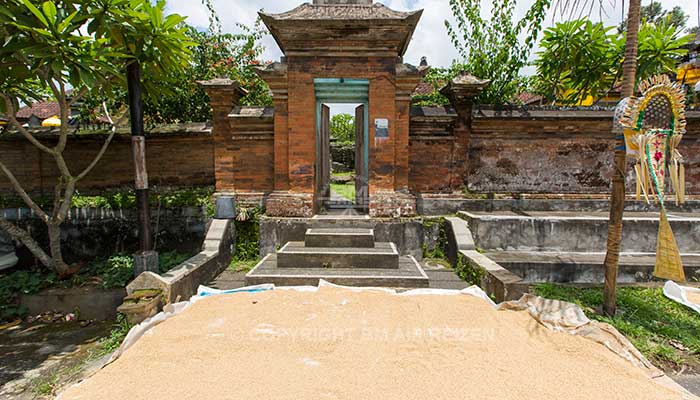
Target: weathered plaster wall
column 546, row 151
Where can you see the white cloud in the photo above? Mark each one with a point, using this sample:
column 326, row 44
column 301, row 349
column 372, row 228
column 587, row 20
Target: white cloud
column 430, row 38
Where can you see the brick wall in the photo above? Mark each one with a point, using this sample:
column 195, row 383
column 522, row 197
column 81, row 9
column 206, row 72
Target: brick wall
column 544, row 151
column 179, row 159
column 539, row 152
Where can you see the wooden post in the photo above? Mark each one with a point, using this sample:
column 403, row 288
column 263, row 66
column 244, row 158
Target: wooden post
column 138, row 142
column 617, row 199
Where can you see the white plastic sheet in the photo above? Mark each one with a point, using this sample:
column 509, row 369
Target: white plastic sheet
column 679, row 293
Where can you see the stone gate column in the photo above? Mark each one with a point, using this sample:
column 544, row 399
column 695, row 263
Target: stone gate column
column 224, row 94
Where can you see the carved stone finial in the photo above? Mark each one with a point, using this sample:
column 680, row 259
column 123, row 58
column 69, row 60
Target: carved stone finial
column 464, row 87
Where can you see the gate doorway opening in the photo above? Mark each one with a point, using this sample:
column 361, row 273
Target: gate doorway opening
column 342, row 151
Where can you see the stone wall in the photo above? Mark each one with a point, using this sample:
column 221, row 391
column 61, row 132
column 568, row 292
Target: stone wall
column 90, row 233
column 343, row 156
column 538, row 151
column 181, row 157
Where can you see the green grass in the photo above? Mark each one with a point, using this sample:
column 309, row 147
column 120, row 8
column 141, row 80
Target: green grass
column 349, row 173
column 664, row 331
column 347, row 190
column 242, row 265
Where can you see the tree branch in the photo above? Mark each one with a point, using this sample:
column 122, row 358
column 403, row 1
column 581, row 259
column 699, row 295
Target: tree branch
column 22, row 193
column 63, row 108
column 23, row 236
column 11, row 115
column 104, row 146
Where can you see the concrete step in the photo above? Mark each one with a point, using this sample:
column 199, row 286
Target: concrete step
column 567, row 267
column 335, row 221
column 409, row 274
column 577, row 231
column 329, row 237
column 296, row 255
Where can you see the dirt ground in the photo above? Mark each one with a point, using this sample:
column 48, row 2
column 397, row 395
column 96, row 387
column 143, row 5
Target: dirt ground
column 39, row 357
column 338, row 344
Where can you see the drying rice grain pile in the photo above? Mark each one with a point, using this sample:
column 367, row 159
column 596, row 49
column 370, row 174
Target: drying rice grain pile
column 338, row 344
column 694, row 297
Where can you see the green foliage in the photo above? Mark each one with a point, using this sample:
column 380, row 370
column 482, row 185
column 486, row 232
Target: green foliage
column 248, row 236
column 439, row 251
column 343, row 128
column 498, row 47
column 116, row 336
column 112, row 272
column 580, row 58
column 44, row 47
column 437, row 78
column 655, row 324
column 655, row 13
column 469, row 273
column 20, row 282
column 194, row 197
column 176, row 97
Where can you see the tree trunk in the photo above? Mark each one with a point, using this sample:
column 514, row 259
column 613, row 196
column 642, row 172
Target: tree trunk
column 617, row 200
column 59, row 266
column 27, row 240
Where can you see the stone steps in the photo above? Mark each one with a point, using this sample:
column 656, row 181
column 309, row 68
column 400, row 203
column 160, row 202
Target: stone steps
column 328, row 237
column 297, row 255
column 409, row 274
column 341, row 250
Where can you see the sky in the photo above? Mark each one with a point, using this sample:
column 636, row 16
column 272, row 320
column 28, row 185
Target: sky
column 430, row 38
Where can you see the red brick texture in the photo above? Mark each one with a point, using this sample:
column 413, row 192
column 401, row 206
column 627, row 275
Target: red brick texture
column 183, row 160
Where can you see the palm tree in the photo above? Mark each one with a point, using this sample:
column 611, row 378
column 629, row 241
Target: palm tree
column 617, row 199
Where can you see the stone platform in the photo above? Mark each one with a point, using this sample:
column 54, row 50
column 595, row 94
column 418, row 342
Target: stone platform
column 341, row 250
column 409, row 274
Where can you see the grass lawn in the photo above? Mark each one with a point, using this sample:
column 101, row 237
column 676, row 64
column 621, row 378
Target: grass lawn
column 665, row 331
column 242, row 265
column 347, row 190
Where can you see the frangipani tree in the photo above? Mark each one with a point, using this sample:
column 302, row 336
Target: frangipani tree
column 64, row 49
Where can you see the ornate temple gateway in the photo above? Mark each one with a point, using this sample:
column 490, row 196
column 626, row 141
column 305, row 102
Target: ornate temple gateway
column 337, row 51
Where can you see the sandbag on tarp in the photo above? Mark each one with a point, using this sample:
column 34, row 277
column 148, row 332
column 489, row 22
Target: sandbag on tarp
column 688, row 296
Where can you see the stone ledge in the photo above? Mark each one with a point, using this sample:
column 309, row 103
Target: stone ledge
column 496, row 281
column 181, row 282
column 391, row 204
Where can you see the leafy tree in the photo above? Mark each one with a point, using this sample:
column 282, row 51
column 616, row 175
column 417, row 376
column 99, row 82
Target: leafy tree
column 580, row 58
column 343, row 128
column 655, row 13
column 47, row 48
column 496, row 48
column 176, row 97
column 437, row 78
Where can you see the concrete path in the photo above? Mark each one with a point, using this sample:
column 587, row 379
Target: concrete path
column 39, row 357
column 440, row 278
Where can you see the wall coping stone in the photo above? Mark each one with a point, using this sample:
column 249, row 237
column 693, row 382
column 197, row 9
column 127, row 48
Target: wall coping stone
column 181, row 282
